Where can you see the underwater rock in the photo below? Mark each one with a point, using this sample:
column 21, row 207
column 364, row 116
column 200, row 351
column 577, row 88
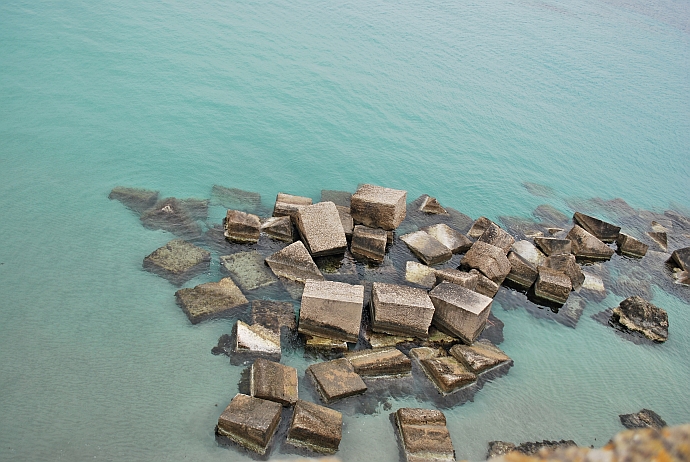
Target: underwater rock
column 454, row 240
column 172, row 216
column 255, row 341
column 480, row 356
column 278, row 228
column 493, row 331
column 288, row 205
column 210, row 300
column 378, row 207
column 638, row 315
column 250, row 422
column 522, row 272
column 379, row 362
column 135, row 199
column 423, row 435
column 606, row 232
column 478, row 227
column 430, row 205
column 339, row 198
column 248, row 270
column 273, row 315
column 529, row 252
column 485, row 286
column 660, row 238
column 419, row 274
column 445, row 372
column 631, row 247
column 488, row 259
column 550, row 215
column 552, row 285
column 236, row 199
column 321, row 229
column 336, row 380
column 538, row 447
column 178, row 261
column 242, row 227
column 496, row 236
column 273, row 381
column 460, row 311
column 587, row 246
column 369, row 242
column 346, row 220
column 644, row 419
column 539, row 190
column 461, row 278
column 553, row 246
column 294, row 263
column 681, row 257
column 425, row 247
column 568, row 265
column 315, row 427
column 400, row 310
column 331, row 309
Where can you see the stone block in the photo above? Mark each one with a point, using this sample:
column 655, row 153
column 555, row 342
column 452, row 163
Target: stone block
column 681, row 257
column 482, row 355
column 235, row 199
column 315, row 427
column 294, row 263
column 454, row 240
column 369, row 242
column 447, row 373
column 340, row 198
column 273, row 381
column 485, row 286
column 336, row 380
column 178, row 261
column 248, row 270
column 255, row 341
column 478, row 228
column 288, row 205
column 460, row 311
column 587, row 246
column 606, row 232
column 171, row 215
column 346, row 220
column 331, row 309
column 242, row 227
column 427, row 248
column 496, row 236
column 552, row 285
column 424, row 436
column 567, row 264
column 378, row 207
column 210, row 300
column 461, row 278
column 430, row 205
column 631, row 247
column 419, row 274
column 321, row 229
column 379, row 362
column 529, row 252
column 250, row 422
column 488, row 259
column 135, row 199
column 553, row 246
column 400, row 310
column 638, row 315
column 273, row 315
column 660, row 238
column 522, row 272
column 279, row 228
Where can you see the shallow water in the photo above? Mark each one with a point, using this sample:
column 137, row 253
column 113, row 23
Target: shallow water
column 461, row 101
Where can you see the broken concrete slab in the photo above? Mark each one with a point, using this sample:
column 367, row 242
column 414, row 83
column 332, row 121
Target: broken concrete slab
column 340, row 198
column 250, row 422
column 379, row 362
column 427, row 248
column 209, row 300
column 424, row 436
column 279, row 228
column 315, row 427
column 454, row 240
column 460, row 311
column 587, row 246
column 420, row 274
column 336, row 379
column 553, row 246
column 321, row 229
column 331, row 309
column 461, row 278
column 522, row 272
column 400, row 310
column 488, row 259
column 430, row 205
column 552, row 285
column 529, row 252
column 248, row 270
column 496, row 236
column 378, row 207
column 242, row 227
column 568, row 265
column 288, row 205
column 478, row 227
column 606, row 232
column 480, row 356
column 273, row 315
column 638, row 315
column 681, row 257
column 485, row 286
column 294, row 263
column 236, row 199
column 631, row 247
column 172, row 216
column 369, row 242
column 178, row 261
column 346, row 220
column 254, row 341
column 135, row 199
column 273, row 381
column 660, row 238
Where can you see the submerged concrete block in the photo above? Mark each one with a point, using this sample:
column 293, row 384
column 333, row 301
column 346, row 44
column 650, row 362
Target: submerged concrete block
column 248, row 270
column 136, row 199
column 427, row 248
column 339, row 198
column 553, row 246
column 178, row 261
column 424, row 436
column 294, row 263
column 324, row 345
column 496, row 236
column 422, row 275
column 171, row 215
column 606, row 232
column 273, row 381
column 369, row 242
column 587, row 246
column 631, row 247
column 454, row 240
column 250, row 422
column 567, row 264
column 378, row 207
column 400, row 310
column 315, row 427
column 236, row 199
column 379, row 362
column 242, row 227
column 485, row 286
column 660, row 238
column 209, row 300
column 279, row 228
column 488, row 259
column 552, row 285
column 331, row 309
column 336, row 379
column 273, row 315
column 460, row 311
column 256, row 341
column 522, row 272
column 321, row 229
column 461, row 278
column 482, row 355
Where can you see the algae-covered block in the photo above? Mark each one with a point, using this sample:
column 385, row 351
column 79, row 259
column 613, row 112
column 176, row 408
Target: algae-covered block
column 250, row 422
column 171, row 215
column 210, row 300
column 136, row 199
column 248, row 270
column 378, row 207
column 236, row 199
column 178, row 261
column 369, row 242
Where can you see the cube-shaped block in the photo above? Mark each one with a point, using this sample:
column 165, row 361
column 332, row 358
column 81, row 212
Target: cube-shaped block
column 460, row 311
column 331, row 309
column 552, row 246
column 603, row 231
column 250, row 422
column 552, row 285
column 496, row 236
column 400, row 310
column 288, row 205
column 369, row 242
column 294, row 262
column 379, row 362
column 321, row 229
column 628, row 245
column 378, row 207
column 482, row 355
column 587, row 246
column 454, row 240
column 427, row 248
column 242, row 227
column 488, row 259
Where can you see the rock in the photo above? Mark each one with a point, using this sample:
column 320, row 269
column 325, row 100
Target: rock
column 445, row 372
column 643, row 419
column 482, row 355
column 315, row 427
column 454, row 240
column 369, row 242
column 273, row 315
column 250, row 422
column 336, row 379
column 543, row 447
column 628, row 245
column 325, row 345
column 587, row 246
column 499, row 448
column 236, row 199
column 209, row 300
column 606, row 232
column 172, row 216
column 431, row 205
column 681, row 257
column 522, row 272
column 460, row 311
column 400, row 310
column 594, row 284
column 488, row 259
column 178, row 261
column 485, row 286
column 378, row 207
column 331, row 309
column 660, row 238
column 478, row 227
column 242, row 227
column 294, row 263
column 550, row 215
column 339, row 198
column 346, row 220
column 288, row 205
column 461, row 278
column 495, row 236
column 135, row 199
column 567, row 264
column 552, row 246
column 638, row 315
column 255, row 341
column 321, row 229
column 279, row 228
column 273, row 381
column 419, row 274
column 529, row 252
column 379, row 362
column 248, row 270
column 424, row 436
column 425, row 247
column 552, row 285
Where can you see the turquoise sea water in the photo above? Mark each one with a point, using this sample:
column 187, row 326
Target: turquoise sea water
column 461, row 100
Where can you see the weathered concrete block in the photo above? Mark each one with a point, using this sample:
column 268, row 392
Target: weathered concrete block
column 255, row 341
column 294, row 263
column 606, row 232
column 430, row 205
column 553, row 246
column 478, row 228
column 461, row 278
column 446, row 373
column 488, row 259
column 315, row 427
column 248, row 270
column 496, row 236
column 346, row 220
column 273, row 381
column 485, row 286
column 250, row 422
column 171, row 215
column 681, row 257
column 321, row 229
column 210, row 300
column 522, row 272
column 242, row 227
column 594, row 284
column 378, row 207
column 628, row 245
column 369, row 242
column 336, row 379
column 288, row 205
column 454, row 240
column 427, row 248
column 529, row 252
column 424, row 435
column 587, row 246
column 340, row 198
column 273, row 315
column 400, row 310
column 236, row 199
column 331, row 309
column 460, row 311
column 552, row 285
column 178, row 261
column 136, row 199
column 422, row 275
column 638, row 315
column 480, row 356
column 567, row 264
column 660, row 238
column 379, row 362
column 279, row 228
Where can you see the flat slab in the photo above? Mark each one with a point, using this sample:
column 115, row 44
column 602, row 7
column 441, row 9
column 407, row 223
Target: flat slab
column 273, row 381
column 321, row 229
column 171, row 215
column 336, row 380
column 294, row 263
column 178, row 261
column 631, row 247
column 379, row 362
column 209, row 300
column 369, row 242
column 248, row 270
column 331, row 309
column 553, row 246
column 378, row 207
column 420, row 274
column 250, row 422
column 454, row 240
column 288, row 205
column 588, row 246
column 496, row 236
column 315, row 427
column 604, row 231
column 279, row 228
column 427, row 248
column 253, row 341
column 242, row 227
column 424, row 435
column 460, row 311
column 273, row 315
column 482, row 355
column 400, row 310
column 552, row 285
column 488, row 259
